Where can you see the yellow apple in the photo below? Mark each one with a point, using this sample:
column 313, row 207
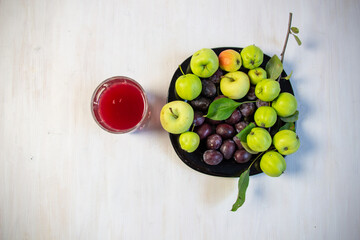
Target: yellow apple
column 235, row 85
column 176, row 117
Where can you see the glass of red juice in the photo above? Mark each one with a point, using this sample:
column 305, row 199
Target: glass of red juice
column 119, row 105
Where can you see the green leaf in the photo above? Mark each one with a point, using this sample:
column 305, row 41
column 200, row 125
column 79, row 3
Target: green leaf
column 222, row 108
column 288, row 76
column 288, row 126
column 295, row 30
column 246, row 147
column 242, row 186
column 297, row 39
column 292, row 118
column 243, row 133
column 274, row 67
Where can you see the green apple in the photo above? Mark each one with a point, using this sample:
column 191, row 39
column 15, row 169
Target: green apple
column 230, row 60
column 189, row 141
column 258, row 140
column 176, row 117
column 267, row 90
column 252, row 57
column 188, row 86
column 272, row 164
column 235, row 85
column 204, row 63
column 286, row 142
column 265, row 116
column 285, row 105
column 256, row 75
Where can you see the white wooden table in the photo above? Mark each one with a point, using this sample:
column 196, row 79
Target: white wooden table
column 62, row 177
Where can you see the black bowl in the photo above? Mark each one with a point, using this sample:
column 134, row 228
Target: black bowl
column 227, row 168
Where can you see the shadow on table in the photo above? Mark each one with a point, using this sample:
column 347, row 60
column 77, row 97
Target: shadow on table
column 218, row 189
column 295, row 162
column 153, row 121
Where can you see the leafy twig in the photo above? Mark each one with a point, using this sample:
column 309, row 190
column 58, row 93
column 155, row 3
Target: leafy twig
column 286, row 39
column 293, row 31
column 274, row 68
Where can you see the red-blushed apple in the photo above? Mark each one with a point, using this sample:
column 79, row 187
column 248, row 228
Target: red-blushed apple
column 230, row 60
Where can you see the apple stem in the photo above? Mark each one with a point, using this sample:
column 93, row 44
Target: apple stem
column 181, row 70
column 193, row 126
column 231, row 79
column 175, row 116
column 286, row 41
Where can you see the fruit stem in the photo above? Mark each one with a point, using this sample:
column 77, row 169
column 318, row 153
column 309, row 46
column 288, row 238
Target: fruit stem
column 256, row 159
column 231, row 79
column 287, row 38
column 175, row 116
column 286, row 41
column 181, row 70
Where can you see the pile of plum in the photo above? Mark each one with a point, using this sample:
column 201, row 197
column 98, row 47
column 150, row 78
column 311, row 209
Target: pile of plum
column 219, row 137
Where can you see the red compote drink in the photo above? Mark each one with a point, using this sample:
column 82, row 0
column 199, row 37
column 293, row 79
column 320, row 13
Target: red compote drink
column 119, row 105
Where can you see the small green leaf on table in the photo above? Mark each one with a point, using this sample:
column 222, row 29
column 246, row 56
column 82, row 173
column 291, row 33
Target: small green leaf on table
column 274, row 67
column 242, row 186
column 292, row 118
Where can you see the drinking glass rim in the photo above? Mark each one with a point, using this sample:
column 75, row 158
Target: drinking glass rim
column 95, row 94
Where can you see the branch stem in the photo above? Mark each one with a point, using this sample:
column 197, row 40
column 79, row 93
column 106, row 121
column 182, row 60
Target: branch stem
column 287, row 38
column 286, row 41
column 255, row 159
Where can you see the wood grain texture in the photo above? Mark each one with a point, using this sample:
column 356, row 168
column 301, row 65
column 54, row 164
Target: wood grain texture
column 62, row 177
